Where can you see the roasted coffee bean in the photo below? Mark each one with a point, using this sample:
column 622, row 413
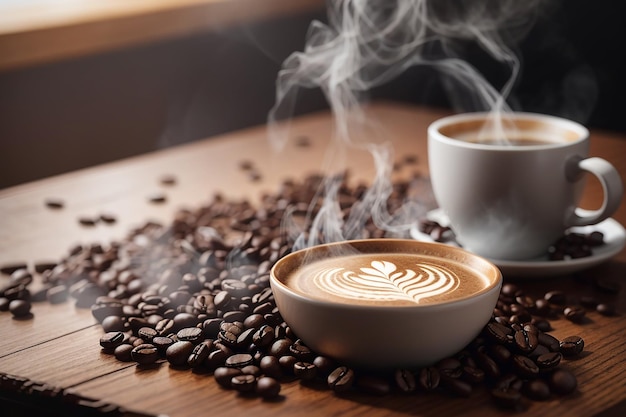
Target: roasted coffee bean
column 147, row 333
column 243, row 383
column 606, row 309
column 562, row 382
column 305, row 371
column 264, row 336
column 239, row 360
column 162, row 343
column 572, row 346
column 456, row 386
column 509, row 381
column 216, row 359
column 199, row 354
column 548, row 361
column 270, row 366
column 549, row 341
column 20, row 308
column 145, row 354
column 537, row 389
column 487, row 364
column 500, row 333
column 157, row 198
column 267, row 387
column 111, row 340
column 300, row 350
column 556, row 297
column 575, row 314
column 113, row 324
column 405, row 380
column 341, row 379
column 190, row 334
column 473, row 375
column 223, row 375
column 280, row 347
column 524, row 366
column 501, row 354
column 178, row 353
column 526, row 341
column 429, row 378
column 506, row 397
column 123, row 353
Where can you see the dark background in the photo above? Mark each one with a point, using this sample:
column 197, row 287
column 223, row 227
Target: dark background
column 67, row 115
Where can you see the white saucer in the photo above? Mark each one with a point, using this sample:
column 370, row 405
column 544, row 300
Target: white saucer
column 614, row 241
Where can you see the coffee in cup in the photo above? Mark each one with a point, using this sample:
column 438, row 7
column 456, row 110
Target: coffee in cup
column 384, row 303
column 510, row 185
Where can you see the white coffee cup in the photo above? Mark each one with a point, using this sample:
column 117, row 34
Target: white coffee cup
column 511, row 199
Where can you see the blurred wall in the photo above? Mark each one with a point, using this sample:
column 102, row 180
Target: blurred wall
column 76, row 113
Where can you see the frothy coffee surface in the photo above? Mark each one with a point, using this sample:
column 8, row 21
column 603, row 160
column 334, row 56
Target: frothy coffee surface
column 386, row 279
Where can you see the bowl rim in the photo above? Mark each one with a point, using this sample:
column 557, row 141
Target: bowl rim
column 495, row 285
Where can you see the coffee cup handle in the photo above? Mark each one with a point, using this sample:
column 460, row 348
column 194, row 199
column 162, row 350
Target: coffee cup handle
column 611, row 186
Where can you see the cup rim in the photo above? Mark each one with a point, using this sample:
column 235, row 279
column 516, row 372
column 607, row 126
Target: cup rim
column 577, row 129
column 494, row 285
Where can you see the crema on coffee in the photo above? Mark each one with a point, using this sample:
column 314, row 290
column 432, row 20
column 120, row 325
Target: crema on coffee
column 387, row 279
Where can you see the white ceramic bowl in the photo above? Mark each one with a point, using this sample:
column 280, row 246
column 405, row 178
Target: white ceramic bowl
column 376, row 333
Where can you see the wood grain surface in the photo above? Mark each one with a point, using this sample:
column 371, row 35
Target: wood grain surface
column 59, row 345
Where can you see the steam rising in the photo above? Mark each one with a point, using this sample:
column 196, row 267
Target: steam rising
column 367, row 43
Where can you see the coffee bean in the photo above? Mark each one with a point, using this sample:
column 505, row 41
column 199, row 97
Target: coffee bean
column 548, row 361
column 429, row 378
column 162, row 343
column 190, row 334
column 405, row 380
column 524, row 366
column 606, row 309
column 270, row 366
column 8, row 269
column 123, row 353
column 556, row 297
column 537, row 389
column 456, row 386
column 267, row 387
column 239, row 360
column 341, row 379
column 113, row 324
column 506, row 397
column 243, row 383
column 572, row 346
column 20, row 308
column 526, row 341
column 145, row 354
column 563, row 382
column 575, row 314
column 500, row 333
column 111, row 340
column 549, row 341
column 305, row 371
column 147, row 333
column 223, row 375
column 473, row 375
column 178, row 353
column 199, row 354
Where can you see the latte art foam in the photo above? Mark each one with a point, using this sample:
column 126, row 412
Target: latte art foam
column 386, row 279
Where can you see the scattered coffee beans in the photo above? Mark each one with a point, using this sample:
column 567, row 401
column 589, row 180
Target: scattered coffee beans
column 196, row 293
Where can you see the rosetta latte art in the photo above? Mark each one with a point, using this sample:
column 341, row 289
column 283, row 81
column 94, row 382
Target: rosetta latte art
column 384, row 282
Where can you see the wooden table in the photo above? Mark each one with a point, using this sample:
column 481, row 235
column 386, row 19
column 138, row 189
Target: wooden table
column 59, row 345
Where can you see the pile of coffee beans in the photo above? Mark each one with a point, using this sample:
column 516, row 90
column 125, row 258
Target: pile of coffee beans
column 572, row 245
column 195, row 294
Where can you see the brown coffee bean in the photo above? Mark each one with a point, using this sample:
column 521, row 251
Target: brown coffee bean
column 145, row 354
column 405, row 380
column 563, row 382
column 20, row 308
column 341, row 379
column 223, row 375
column 537, row 389
column 267, row 387
column 575, row 314
column 572, row 346
column 429, row 378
